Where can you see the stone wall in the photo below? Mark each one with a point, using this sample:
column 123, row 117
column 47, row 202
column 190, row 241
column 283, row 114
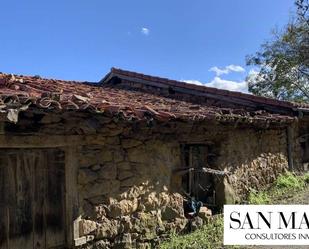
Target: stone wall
column 129, row 196
column 254, row 157
column 124, row 191
column 127, row 192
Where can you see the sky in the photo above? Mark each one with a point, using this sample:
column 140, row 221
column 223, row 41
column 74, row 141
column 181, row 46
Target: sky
column 198, row 41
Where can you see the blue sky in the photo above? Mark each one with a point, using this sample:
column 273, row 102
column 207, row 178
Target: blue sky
column 198, row 41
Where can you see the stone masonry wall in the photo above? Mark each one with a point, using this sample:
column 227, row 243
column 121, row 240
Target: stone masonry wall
column 129, row 197
column 124, row 188
column 254, row 159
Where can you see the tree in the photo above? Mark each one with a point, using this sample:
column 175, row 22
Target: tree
column 284, row 61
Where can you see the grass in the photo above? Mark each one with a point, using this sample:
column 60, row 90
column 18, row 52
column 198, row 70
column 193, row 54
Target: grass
column 289, row 181
column 306, row 178
column 258, row 197
column 208, row 237
column 211, row 235
column 285, row 185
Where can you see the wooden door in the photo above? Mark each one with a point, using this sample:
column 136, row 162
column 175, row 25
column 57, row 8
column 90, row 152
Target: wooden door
column 196, row 183
column 32, row 199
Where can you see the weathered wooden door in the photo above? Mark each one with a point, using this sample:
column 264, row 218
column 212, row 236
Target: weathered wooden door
column 32, row 199
column 196, row 183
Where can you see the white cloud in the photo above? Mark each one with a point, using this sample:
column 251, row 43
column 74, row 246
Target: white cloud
column 145, row 31
column 236, row 68
column 195, row 82
column 227, row 69
column 254, row 76
column 238, row 86
column 217, row 82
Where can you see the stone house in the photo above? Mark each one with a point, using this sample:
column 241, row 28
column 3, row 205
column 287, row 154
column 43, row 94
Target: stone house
column 110, row 164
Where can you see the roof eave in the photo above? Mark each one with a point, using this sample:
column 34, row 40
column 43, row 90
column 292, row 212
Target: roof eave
column 106, row 78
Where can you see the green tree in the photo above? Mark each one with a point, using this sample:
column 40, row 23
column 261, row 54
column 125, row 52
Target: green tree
column 283, row 62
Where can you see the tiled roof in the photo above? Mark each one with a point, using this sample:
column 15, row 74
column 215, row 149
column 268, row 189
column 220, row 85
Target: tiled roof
column 18, row 93
column 205, row 89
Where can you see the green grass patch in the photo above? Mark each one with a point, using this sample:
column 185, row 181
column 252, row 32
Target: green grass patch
column 258, row 197
column 289, row 181
column 209, row 236
column 285, row 185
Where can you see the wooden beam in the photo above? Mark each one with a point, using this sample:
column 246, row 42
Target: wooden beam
column 290, row 136
column 204, row 170
column 2, row 132
column 48, row 141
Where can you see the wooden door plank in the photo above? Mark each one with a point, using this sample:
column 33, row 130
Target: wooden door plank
column 4, row 229
column 39, row 182
column 20, row 203
column 55, row 217
column 71, row 195
column 32, row 203
column 190, row 172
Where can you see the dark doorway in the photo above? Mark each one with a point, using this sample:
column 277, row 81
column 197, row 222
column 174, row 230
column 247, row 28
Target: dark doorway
column 196, row 183
column 32, row 199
